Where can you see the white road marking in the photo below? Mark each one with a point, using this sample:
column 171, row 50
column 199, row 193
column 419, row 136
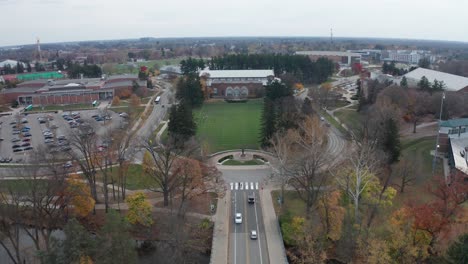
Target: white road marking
column 256, row 186
column 232, row 185
column 258, row 234
column 235, row 227
column 246, row 185
column 252, row 185
column 237, row 185
column 241, row 187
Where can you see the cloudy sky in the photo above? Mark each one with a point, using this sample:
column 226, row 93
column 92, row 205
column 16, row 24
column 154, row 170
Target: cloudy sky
column 74, row 20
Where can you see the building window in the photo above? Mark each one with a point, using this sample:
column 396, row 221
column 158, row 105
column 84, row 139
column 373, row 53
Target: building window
column 215, row 91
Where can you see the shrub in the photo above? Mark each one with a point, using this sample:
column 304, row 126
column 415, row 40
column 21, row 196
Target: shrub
column 116, row 101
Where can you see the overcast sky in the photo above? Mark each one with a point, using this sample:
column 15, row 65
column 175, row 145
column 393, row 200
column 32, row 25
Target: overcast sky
column 75, row 20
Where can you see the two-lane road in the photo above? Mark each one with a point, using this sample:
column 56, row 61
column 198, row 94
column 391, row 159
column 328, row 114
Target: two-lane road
column 243, row 249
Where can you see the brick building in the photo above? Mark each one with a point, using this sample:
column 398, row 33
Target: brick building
column 340, row 57
column 237, row 84
column 69, row 91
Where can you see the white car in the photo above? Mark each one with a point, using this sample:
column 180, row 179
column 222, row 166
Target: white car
column 253, row 234
column 238, row 218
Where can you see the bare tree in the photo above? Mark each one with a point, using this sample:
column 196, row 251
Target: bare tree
column 405, row 171
column 85, row 153
column 163, row 157
column 282, row 148
column 312, row 163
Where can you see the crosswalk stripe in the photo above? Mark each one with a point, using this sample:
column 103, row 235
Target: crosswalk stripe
column 256, row 186
column 237, row 185
column 252, row 185
column 232, row 185
column 246, row 185
column 241, row 186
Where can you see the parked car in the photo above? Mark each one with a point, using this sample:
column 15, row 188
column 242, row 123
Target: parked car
column 15, row 140
column 26, row 144
column 26, row 139
column 68, row 164
column 123, row 114
column 48, row 141
column 16, row 146
column 27, row 134
column 15, row 132
column 13, row 122
column 28, row 148
column 65, row 148
column 17, row 149
column 24, row 121
column 61, row 137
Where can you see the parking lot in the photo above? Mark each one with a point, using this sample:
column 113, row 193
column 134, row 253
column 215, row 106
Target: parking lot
column 20, row 134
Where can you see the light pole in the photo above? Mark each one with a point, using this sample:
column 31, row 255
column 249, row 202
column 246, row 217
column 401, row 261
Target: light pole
column 438, row 133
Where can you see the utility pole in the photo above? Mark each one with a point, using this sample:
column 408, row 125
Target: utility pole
column 438, row 133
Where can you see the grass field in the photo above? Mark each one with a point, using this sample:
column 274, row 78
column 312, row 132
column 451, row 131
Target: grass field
column 125, row 68
column 240, row 163
column 224, row 126
column 350, row 118
column 136, row 178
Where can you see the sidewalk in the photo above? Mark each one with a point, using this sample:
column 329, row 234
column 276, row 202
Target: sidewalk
column 276, row 250
column 219, row 250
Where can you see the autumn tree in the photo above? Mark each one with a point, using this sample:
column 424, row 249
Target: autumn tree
column 139, row 210
column 79, row 194
column 116, row 101
column 135, row 101
column 418, row 106
column 331, row 214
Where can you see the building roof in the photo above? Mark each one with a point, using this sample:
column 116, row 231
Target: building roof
column 458, row 149
column 452, row 82
column 328, row 53
column 11, row 62
column 454, row 122
column 238, row 73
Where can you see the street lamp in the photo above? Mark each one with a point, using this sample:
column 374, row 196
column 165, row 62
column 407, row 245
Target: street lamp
column 438, row 133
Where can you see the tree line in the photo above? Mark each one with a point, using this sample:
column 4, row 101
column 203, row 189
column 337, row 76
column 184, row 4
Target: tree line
column 302, row 67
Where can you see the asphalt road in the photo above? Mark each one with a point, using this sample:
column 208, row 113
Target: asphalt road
column 243, row 249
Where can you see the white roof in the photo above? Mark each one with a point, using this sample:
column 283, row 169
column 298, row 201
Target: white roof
column 458, row 147
column 327, row 53
column 11, row 62
column 452, row 82
column 238, row 73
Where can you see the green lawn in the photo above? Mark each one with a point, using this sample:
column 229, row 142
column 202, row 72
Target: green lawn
column 350, row 118
column 418, row 150
column 136, row 179
column 225, row 126
column 125, row 68
column 292, row 205
column 21, row 185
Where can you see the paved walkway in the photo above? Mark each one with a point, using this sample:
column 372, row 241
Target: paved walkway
column 220, row 247
column 276, row 250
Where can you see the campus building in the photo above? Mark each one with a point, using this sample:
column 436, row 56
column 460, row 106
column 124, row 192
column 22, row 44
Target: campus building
column 340, row 57
column 453, row 83
column 70, row 91
column 237, row 84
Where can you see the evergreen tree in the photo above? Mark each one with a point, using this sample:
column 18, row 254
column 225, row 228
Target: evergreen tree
column 189, row 90
column 391, row 142
column 458, row 250
column 115, row 242
column 19, row 67
column 181, row 123
column 268, row 125
column 424, row 84
column 404, row 82
column 424, row 63
column 173, row 125
column 29, row 69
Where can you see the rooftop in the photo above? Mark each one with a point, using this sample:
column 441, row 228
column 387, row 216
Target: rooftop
column 454, row 122
column 238, row 73
column 452, row 82
column 459, row 149
column 327, row 53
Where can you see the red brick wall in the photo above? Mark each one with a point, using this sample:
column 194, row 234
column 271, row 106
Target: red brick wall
column 57, row 99
column 255, row 89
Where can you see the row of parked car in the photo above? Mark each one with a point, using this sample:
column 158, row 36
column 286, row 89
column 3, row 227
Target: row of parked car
column 24, row 143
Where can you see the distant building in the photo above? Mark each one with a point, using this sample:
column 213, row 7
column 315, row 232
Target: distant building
column 369, row 55
column 407, row 56
column 452, row 82
column 237, row 83
column 70, row 91
column 171, row 70
column 340, row 57
column 452, row 129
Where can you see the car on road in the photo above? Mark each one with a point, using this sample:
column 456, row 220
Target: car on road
column 15, row 140
column 238, row 218
column 251, row 198
column 253, row 234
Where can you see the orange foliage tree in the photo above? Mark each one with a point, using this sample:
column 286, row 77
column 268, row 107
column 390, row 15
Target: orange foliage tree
column 80, row 195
